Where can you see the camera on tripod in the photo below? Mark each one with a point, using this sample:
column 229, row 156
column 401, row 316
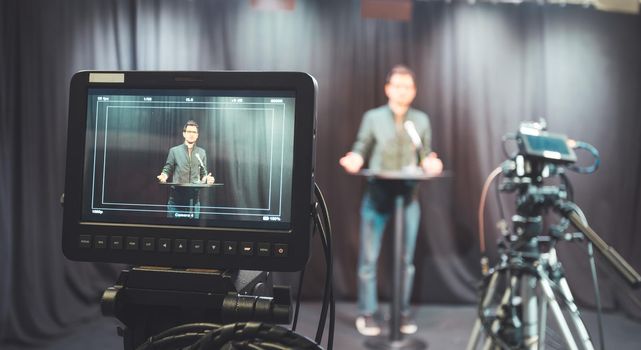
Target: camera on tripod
column 233, row 201
column 528, row 282
column 540, row 155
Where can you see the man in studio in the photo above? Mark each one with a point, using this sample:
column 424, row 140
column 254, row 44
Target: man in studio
column 392, row 137
column 186, row 163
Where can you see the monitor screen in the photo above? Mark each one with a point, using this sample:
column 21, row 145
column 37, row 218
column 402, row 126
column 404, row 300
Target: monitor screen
column 190, row 169
column 242, row 140
column 552, row 147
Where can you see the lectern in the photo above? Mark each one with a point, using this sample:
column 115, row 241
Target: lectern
column 397, row 181
column 188, row 190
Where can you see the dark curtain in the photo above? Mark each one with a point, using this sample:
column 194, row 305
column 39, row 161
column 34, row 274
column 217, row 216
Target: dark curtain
column 481, row 71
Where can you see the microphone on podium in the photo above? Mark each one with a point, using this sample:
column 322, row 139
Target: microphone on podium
column 201, row 162
column 411, row 131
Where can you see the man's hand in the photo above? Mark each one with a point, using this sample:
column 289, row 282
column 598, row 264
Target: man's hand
column 162, row 177
column 209, row 179
column 432, row 165
column 352, row 162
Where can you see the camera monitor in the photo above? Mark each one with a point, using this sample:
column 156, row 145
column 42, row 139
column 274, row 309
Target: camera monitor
column 548, row 146
column 190, row 169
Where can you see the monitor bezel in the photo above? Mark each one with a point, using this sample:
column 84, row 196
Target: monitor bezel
column 297, row 238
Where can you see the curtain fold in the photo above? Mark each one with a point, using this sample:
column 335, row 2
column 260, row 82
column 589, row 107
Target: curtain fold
column 481, row 70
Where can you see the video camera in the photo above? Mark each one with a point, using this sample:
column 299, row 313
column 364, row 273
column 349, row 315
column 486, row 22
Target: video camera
column 189, row 239
column 528, row 283
column 541, row 154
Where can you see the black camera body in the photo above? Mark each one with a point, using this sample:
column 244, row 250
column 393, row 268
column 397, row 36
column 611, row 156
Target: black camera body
column 550, row 147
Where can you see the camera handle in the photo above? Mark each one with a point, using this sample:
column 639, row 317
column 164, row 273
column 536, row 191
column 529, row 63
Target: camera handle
column 149, row 300
column 625, row 270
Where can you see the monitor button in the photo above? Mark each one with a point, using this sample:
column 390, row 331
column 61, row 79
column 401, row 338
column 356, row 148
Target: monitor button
column 148, row 244
column 264, row 249
column 164, row 245
column 197, row 247
column 116, row 242
column 132, row 243
column 213, row 247
column 229, row 248
column 246, row 248
column 280, row 250
column 100, row 242
column 180, row 246
column 84, row 241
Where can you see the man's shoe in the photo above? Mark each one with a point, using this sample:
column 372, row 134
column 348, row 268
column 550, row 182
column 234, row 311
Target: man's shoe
column 408, row 324
column 367, row 325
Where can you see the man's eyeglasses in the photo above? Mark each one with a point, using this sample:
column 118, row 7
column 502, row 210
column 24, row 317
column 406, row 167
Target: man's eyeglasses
column 191, row 132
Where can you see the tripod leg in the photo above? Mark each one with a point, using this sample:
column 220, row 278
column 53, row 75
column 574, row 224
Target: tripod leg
column 543, row 317
column 530, row 311
column 488, row 345
column 584, row 336
column 489, row 294
column 474, row 337
column 557, row 313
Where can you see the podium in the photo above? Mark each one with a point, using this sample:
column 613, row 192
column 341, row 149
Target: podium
column 398, row 182
column 189, row 191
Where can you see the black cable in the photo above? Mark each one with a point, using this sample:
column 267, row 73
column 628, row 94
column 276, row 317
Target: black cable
column 186, row 328
column 301, row 276
column 332, row 302
column 326, row 239
column 597, row 295
column 178, row 333
column 323, row 204
column 323, row 315
column 269, row 346
column 172, row 342
column 332, row 320
column 568, row 185
column 594, row 152
column 274, row 336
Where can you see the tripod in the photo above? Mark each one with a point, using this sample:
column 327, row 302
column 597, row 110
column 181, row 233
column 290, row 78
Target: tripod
column 529, row 281
column 534, row 283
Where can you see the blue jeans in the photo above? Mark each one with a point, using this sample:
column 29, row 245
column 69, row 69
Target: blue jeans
column 373, row 222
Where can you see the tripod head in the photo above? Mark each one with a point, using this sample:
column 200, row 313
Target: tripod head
column 540, row 155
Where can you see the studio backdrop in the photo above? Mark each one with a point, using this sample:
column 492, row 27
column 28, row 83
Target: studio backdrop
column 481, row 70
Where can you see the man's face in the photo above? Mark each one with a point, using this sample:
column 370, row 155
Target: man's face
column 190, row 134
column 401, row 89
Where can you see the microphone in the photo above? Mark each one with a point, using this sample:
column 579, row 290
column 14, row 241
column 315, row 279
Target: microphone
column 201, row 162
column 411, row 131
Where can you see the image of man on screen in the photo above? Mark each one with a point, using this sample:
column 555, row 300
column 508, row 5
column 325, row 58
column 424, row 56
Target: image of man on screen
column 187, row 164
column 392, row 137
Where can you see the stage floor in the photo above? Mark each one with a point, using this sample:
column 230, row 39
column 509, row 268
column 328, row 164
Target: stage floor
column 441, row 326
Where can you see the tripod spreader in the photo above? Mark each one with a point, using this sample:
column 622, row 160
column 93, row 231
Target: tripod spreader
column 631, row 276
